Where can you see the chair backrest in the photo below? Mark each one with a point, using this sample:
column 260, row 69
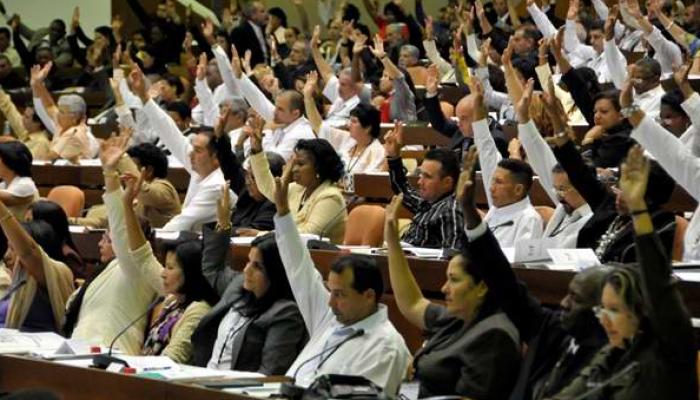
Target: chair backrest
column 546, row 213
column 678, row 237
column 70, row 198
column 365, row 226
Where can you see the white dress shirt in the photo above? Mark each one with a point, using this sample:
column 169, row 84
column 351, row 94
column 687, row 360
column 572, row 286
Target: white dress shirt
column 562, row 227
column 379, row 355
column 207, row 111
column 683, row 166
column 650, row 101
column 515, row 221
column 282, row 140
column 339, row 113
column 545, row 26
column 199, row 206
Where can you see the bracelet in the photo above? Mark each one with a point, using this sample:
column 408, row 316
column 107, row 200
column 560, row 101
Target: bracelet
column 110, row 174
column 639, row 212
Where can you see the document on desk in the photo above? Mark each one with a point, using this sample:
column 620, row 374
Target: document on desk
column 572, row 259
column 13, row 341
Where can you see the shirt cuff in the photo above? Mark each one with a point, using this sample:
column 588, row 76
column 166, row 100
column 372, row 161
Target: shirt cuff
column 479, row 231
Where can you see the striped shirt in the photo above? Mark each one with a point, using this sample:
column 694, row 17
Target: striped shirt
column 434, row 225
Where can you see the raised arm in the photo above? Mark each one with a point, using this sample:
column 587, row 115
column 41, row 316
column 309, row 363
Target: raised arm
column 541, row 20
column 393, row 142
column 322, row 65
column 13, row 116
column 670, row 321
column 489, row 156
column 312, row 114
column 409, row 298
column 42, row 98
column 306, row 282
column 203, row 92
column 258, row 162
column 24, row 246
column 255, row 97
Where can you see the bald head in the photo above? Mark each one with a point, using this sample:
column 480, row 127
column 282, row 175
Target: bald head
column 465, row 115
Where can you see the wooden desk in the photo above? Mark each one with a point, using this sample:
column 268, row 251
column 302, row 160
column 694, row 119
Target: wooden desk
column 418, row 134
column 378, row 187
column 73, row 383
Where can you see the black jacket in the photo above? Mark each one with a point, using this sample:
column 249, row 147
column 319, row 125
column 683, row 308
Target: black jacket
column 244, row 38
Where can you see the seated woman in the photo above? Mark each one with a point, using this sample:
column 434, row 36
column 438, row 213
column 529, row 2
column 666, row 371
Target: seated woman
column 651, row 351
column 17, row 189
column 188, row 296
column 41, row 282
column 317, row 204
column 257, row 325
column 27, row 127
column 72, row 139
column 358, row 146
column 473, row 349
column 53, row 214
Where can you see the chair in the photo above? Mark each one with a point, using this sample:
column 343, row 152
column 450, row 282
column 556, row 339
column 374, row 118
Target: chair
column 678, row 237
column 546, row 214
column 365, row 226
column 70, row 198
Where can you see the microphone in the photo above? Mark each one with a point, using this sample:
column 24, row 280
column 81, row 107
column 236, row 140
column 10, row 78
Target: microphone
column 633, row 367
column 13, row 289
column 102, row 361
column 292, row 391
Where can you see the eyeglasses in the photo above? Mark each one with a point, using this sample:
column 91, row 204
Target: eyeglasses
column 609, row 314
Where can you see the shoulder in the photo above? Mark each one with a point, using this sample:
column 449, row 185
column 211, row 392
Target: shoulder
column 282, row 309
column 196, row 308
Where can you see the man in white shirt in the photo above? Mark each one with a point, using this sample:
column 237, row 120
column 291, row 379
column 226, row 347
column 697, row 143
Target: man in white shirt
column 350, row 332
column 287, row 114
column 646, row 81
column 197, row 155
column 507, row 183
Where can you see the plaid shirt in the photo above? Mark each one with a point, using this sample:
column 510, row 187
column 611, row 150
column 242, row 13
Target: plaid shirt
column 435, row 225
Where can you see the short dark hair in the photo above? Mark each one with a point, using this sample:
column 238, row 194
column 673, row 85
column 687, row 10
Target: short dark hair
column 189, row 257
column 5, row 31
column 17, row 157
column 612, row 95
column 54, row 215
column 173, row 80
column 369, row 117
column 150, row 155
column 596, row 25
column 590, row 78
column 449, row 163
column 296, row 101
column 530, row 32
column 520, row 171
column 327, row 163
column 45, row 236
column 674, row 99
column 276, row 163
column 279, row 13
column 526, row 65
column 366, row 274
column 274, row 271
column 649, row 65
column 182, row 109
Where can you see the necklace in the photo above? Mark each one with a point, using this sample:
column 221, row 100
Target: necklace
column 349, row 183
column 610, row 236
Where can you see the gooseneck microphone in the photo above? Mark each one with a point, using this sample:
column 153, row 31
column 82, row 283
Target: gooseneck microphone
column 103, row 361
column 291, row 390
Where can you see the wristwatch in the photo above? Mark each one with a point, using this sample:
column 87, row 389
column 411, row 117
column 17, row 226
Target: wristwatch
column 628, row 111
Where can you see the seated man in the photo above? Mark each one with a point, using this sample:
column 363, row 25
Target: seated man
column 437, row 217
column 571, row 212
column 560, row 343
column 287, row 113
column 646, row 80
column 408, row 60
column 197, row 155
column 347, row 311
column 507, row 183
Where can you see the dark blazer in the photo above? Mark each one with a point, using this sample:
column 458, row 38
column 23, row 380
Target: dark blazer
column 268, row 343
column 250, row 213
column 244, row 38
column 602, row 202
column 450, row 129
column 539, row 327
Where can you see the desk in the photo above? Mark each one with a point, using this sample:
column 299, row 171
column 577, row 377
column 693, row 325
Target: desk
column 75, row 383
column 377, row 186
column 423, row 135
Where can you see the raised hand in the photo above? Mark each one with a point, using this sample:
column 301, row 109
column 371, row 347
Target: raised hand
column 680, row 76
column 359, row 42
column 75, row 20
column 477, row 89
column 137, row 82
column 484, row 53
column 236, row 63
column 132, row 186
column 208, row 31
column 542, row 51
column 202, row 67
column 391, row 218
column 223, row 208
column 507, row 56
column 112, row 149
column 466, row 185
column 311, row 84
column 558, row 43
column 432, row 79
column 428, row 32
column 626, row 92
column 610, row 22
column 522, row 109
column 247, row 56
column 221, row 120
column 38, row 73
column 634, row 177
column 378, row 48
column 256, row 124
column 573, row 10
column 393, row 140
column 117, row 24
column 316, row 37
column 282, row 188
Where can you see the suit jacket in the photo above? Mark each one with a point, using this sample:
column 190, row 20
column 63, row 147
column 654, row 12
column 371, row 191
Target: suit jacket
column 269, row 342
column 450, row 129
column 244, row 38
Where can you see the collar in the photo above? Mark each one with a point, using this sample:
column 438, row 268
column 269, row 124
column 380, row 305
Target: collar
column 294, row 124
column 651, row 93
column 369, row 323
column 499, row 215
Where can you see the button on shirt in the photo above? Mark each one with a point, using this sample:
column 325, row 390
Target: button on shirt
column 379, row 355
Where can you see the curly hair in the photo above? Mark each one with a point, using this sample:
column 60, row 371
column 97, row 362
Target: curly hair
column 327, row 163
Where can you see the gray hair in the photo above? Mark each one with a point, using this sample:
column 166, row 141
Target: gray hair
column 411, row 50
column 238, row 107
column 73, row 104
